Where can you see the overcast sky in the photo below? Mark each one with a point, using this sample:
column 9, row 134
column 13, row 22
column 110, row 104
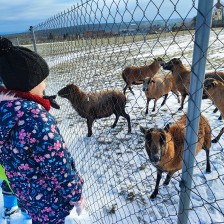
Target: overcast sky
column 18, row 15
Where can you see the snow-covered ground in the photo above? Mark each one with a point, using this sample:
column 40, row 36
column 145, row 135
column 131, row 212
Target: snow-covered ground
column 119, row 178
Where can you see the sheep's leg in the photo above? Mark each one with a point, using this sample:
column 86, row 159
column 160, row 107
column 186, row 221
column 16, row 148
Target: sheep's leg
column 147, row 106
column 208, row 166
column 129, row 87
column 215, row 110
column 155, row 192
column 182, row 101
column 125, row 115
column 89, row 125
column 116, row 120
column 154, row 107
column 164, row 100
column 125, row 88
column 131, row 90
column 177, row 95
column 215, row 140
column 168, row 178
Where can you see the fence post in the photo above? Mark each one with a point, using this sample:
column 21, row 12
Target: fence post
column 17, row 40
column 33, row 39
column 202, row 32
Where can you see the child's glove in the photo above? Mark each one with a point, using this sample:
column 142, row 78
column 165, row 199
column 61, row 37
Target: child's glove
column 80, row 205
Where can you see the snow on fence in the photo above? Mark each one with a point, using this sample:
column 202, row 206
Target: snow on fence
column 90, row 45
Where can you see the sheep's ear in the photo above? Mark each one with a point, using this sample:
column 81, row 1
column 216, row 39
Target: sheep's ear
column 167, row 127
column 143, row 130
column 176, row 61
column 214, row 83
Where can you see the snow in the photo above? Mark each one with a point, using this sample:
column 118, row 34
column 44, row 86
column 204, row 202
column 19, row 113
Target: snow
column 119, row 178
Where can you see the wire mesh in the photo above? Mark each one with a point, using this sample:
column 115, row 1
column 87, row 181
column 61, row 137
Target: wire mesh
column 90, row 45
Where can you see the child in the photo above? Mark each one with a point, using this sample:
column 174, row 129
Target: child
column 37, row 163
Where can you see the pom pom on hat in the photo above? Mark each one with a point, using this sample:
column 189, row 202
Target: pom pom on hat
column 20, row 68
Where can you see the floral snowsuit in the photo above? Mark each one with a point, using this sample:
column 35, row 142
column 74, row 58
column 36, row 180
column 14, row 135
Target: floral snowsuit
column 36, row 160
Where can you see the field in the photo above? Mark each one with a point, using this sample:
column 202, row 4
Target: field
column 119, row 178
column 118, row 175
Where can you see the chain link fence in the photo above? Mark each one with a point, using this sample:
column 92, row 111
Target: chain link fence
column 90, row 45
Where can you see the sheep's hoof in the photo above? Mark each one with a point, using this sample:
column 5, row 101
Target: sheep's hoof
column 215, row 110
column 214, row 140
column 146, row 112
column 89, row 135
column 154, row 194
column 166, row 182
column 181, row 108
column 220, row 117
column 208, row 170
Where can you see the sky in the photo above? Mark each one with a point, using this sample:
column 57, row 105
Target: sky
column 18, row 16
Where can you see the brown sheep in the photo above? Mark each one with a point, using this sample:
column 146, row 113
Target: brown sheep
column 181, row 77
column 218, row 76
column 214, row 90
column 165, row 147
column 133, row 75
column 158, row 86
column 96, row 105
column 215, row 75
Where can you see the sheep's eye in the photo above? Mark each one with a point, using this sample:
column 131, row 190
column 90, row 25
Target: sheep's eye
column 209, row 86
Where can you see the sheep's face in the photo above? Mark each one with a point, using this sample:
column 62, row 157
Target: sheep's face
column 146, row 83
column 155, row 144
column 170, row 65
column 209, row 86
column 67, row 91
column 160, row 61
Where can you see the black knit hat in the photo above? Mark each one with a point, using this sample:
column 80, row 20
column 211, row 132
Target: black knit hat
column 20, row 68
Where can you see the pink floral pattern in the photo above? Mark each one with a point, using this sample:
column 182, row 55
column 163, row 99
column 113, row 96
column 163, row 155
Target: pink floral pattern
column 37, row 162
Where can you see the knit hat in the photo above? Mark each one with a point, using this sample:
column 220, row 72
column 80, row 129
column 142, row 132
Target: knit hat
column 20, row 68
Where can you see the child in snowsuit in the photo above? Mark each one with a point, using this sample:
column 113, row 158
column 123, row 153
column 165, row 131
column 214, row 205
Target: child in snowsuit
column 37, row 163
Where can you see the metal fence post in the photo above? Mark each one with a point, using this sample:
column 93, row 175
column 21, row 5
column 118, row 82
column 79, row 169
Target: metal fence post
column 33, row 39
column 202, row 32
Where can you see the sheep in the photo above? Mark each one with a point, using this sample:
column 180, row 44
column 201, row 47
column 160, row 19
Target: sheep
column 214, row 90
column 133, row 75
column 165, row 147
column 181, row 77
column 96, row 105
column 158, row 86
column 218, row 76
